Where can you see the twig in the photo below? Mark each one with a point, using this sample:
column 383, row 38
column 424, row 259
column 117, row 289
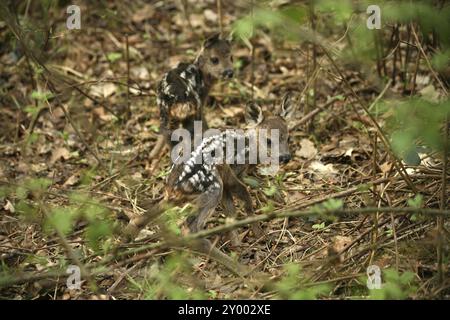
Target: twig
column 220, row 16
column 127, row 51
column 314, row 51
column 314, row 112
column 271, row 216
column 252, row 47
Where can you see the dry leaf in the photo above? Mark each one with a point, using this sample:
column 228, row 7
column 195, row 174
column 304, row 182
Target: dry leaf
column 59, row 153
column 210, row 15
column 103, row 115
column 9, row 207
column 103, row 90
column 73, row 180
column 307, row 149
column 339, row 244
column 140, row 73
column 231, row 112
column 430, row 93
column 320, row 168
column 145, row 13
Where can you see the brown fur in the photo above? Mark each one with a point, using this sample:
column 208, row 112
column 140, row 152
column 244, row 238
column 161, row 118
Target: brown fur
column 178, row 110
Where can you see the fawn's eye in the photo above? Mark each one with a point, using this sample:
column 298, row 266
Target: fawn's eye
column 214, row 60
column 231, row 58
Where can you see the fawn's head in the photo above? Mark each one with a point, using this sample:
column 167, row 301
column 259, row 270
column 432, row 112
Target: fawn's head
column 277, row 120
column 215, row 59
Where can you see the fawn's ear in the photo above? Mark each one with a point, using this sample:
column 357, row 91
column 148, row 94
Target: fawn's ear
column 287, row 107
column 211, row 40
column 253, row 114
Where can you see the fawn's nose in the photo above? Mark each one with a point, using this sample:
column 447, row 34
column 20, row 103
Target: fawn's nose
column 284, row 158
column 228, row 74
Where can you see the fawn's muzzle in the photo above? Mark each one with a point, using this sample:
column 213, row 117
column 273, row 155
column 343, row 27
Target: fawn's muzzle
column 284, row 158
column 228, row 74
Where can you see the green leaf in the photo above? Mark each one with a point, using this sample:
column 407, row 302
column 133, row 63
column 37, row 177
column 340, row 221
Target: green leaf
column 411, row 157
column 319, row 226
column 41, row 96
column 268, row 208
column 114, row 56
column 28, row 211
column 39, row 184
column 4, row 191
column 333, row 204
column 96, row 231
column 271, row 191
column 416, row 202
column 32, row 110
column 61, row 219
column 252, row 182
column 441, row 60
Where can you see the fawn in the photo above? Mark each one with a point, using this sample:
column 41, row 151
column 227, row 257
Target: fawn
column 182, row 92
column 207, row 184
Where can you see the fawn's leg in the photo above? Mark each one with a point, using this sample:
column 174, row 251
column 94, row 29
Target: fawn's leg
column 205, row 247
column 230, row 211
column 137, row 223
column 240, row 190
column 206, row 204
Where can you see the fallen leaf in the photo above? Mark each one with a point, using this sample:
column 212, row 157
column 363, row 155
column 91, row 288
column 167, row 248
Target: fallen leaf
column 430, row 93
column 210, row 15
column 140, row 72
column 385, row 167
column 295, row 196
column 73, row 180
column 307, row 149
column 231, row 112
column 38, row 167
column 145, row 13
column 103, row 90
column 103, row 115
column 59, row 153
column 339, row 244
column 320, row 168
column 9, row 207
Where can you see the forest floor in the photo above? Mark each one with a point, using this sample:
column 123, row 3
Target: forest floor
column 337, row 154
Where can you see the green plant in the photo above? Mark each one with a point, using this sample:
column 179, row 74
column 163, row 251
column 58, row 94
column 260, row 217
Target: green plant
column 395, row 285
column 293, row 285
column 168, row 280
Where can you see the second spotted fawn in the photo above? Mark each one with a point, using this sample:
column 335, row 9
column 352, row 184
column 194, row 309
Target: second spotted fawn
column 183, row 90
column 206, row 184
